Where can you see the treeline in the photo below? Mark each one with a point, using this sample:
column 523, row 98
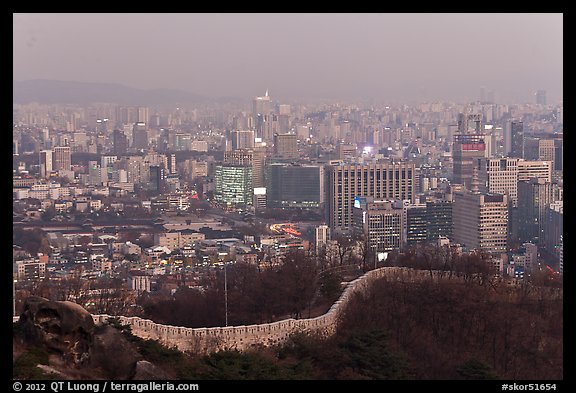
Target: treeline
column 253, row 295
column 451, row 329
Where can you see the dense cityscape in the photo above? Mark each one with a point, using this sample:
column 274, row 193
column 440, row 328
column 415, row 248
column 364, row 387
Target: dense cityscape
column 112, row 187
column 264, row 237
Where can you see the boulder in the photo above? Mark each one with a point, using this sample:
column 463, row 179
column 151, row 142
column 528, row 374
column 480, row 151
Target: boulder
column 148, row 371
column 64, row 327
column 113, row 354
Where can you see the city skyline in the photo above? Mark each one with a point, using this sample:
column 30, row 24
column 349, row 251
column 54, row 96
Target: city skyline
column 390, row 57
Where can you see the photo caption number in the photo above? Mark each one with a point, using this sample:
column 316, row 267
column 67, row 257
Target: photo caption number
column 35, row 386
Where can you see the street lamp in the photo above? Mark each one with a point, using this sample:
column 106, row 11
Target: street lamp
column 14, row 297
column 225, row 295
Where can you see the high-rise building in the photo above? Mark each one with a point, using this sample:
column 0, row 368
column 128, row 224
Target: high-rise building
column 300, row 186
column 135, row 169
column 534, row 199
column 558, row 155
column 551, row 150
column 499, row 176
column 140, row 136
column 514, row 140
column 416, row 224
column 321, row 236
column 242, row 139
column 538, row 169
column 439, row 219
column 561, row 256
column 466, row 149
column 379, row 179
column 120, row 142
column 554, row 226
column 381, row 222
column 143, row 114
column 62, row 158
column 172, row 168
column 541, row 97
column 157, row 178
column 286, row 145
column 80, row 141
column 469, row 123
column 531, row 147
column 233, row 184
column 481, row 221
column 45, row 163
column 345, row 151
column 283, row 123
column 256, row 158
column 261, row 111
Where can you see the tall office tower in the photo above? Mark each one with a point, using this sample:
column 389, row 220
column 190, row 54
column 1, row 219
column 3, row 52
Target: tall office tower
column 380, row 221
column 534, row 199
column 143, row 114
column 283, row 123
column 80, row 142
column 140, row 136
column 380, row 179
column 45, row 163
column 126, row 115
column 469, row 123
column 242, row 139
column 107, row 165
column 96, row 174
column 171, row 159
column 197, row 169
column 233, row 185
column 481, row 221
column 345, row 151
column 256, row 158
column 286, row 145
column 561, row 256
column 551, row 150
column 284, row 109
column 261, row 111
column 530, row 169
column 439, row 219
column 416, row 224
column 531, row 148
column 499, row 176
column 62, row 158
column 119, row 142
column 295, row 186
column 514, row 140
column 558, row 154
column 554, row 226
column 466, row 149
column 546, row 151
column 321, row 236
column 541, row 97
column 157, row 178
column 135, row 169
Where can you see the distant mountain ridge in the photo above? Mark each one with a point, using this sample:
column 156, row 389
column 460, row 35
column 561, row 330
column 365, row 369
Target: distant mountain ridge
column 81, row 93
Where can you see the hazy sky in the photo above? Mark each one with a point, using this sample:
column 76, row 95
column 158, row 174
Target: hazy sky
column 382, row 56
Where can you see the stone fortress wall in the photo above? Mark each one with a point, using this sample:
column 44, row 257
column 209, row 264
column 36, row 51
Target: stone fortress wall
column 208, row 340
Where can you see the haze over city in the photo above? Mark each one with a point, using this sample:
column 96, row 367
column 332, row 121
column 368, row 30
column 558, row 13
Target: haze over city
column 390, row 57
column 287, row 197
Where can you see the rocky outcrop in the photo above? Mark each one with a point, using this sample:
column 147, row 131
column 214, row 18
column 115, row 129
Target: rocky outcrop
column 63, row 327
column 77, row 347
column 148, row 371
column 109, row 343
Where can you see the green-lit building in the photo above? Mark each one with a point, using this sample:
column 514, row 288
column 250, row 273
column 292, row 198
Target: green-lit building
column 233, row 185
